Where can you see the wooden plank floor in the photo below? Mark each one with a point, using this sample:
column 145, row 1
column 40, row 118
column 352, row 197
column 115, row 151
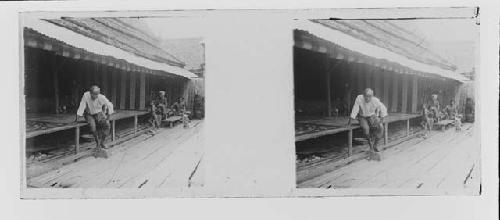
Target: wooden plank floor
column 171, row 158
column 446, row 160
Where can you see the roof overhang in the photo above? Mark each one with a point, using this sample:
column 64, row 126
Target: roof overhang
column 97, row 47
column 377, row 55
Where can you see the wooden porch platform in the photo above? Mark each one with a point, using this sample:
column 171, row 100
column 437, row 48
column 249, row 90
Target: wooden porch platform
column 41, row 124
column 446, row 160
column 314, row 127
column 171, row 158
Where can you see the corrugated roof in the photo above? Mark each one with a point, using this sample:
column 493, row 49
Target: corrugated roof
column 120, row 33
column 384, row 48
column 91, row 45
column 387, row 34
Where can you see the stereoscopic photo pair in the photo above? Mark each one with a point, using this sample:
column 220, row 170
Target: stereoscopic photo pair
column 115, row 101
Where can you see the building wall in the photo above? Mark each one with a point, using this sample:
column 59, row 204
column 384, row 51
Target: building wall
column 464, row 91
column 347, row 80
column 125, row 89
column 195, row 86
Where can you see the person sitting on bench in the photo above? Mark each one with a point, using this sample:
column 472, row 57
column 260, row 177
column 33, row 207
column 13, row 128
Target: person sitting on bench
column 161, row 104
column 180, row 109
column 96, row 109
column 435, row 108
column 427, row 120
column 451, row 110
column 155, row 116
column 370, row 112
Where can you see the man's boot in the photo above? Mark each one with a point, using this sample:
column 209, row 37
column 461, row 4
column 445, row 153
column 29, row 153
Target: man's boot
column 368, row 138
column 96, row 138
column 375, row 143
column 100, row 152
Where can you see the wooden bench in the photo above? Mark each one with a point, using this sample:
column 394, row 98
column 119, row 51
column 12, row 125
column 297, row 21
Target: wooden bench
column 172, row 120
column 339, row 124
column 443, row 124
column 67, row 120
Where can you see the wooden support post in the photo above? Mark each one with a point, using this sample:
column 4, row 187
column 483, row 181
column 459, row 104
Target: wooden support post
column 368, row 77
column 114, row 86
column 378, row 87
column 104, row 82
column 97, row 75
column 349, row 143
column 328, row 88
column 350, row 89
column 394, row 104
column 386, row 133
column 113, row 130
column 407, row 127
column 123, row 88
column 142, row 92
column 387, row 84
column 404, row 94
column 359, row 74
column 85, row 75
column 132, row 90
column 56, row 92
column 135, row 124
column 414, row 95
column 55, row 81
column 77, row 139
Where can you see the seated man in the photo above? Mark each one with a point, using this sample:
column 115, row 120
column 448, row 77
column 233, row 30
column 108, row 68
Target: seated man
column 370, row 112
column 96, row 109
column 451, row 110
column 161, row 104
column 155, row 116
column 179, row 108
column 435, row 108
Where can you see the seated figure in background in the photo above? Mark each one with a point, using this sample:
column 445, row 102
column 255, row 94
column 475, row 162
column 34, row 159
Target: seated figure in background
column 179, row 109
column 155, row 116
column 427, row 120
column 435, row 108
column 161, row 104
column 339, row 107
column 451, row 110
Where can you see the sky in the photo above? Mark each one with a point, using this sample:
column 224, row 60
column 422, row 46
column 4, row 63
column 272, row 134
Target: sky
column 176, row 28
column 453, row 39
column 450, row 30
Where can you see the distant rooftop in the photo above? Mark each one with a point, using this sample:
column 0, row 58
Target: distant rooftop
column 189, row 50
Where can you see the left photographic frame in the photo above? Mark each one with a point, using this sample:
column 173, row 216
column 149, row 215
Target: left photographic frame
column 111, row 101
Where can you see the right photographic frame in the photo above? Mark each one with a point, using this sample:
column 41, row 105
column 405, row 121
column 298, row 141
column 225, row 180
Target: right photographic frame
column 387, row 104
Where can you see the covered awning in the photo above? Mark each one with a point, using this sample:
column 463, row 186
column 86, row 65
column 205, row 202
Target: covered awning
column 339, row 45
column 83, row 44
